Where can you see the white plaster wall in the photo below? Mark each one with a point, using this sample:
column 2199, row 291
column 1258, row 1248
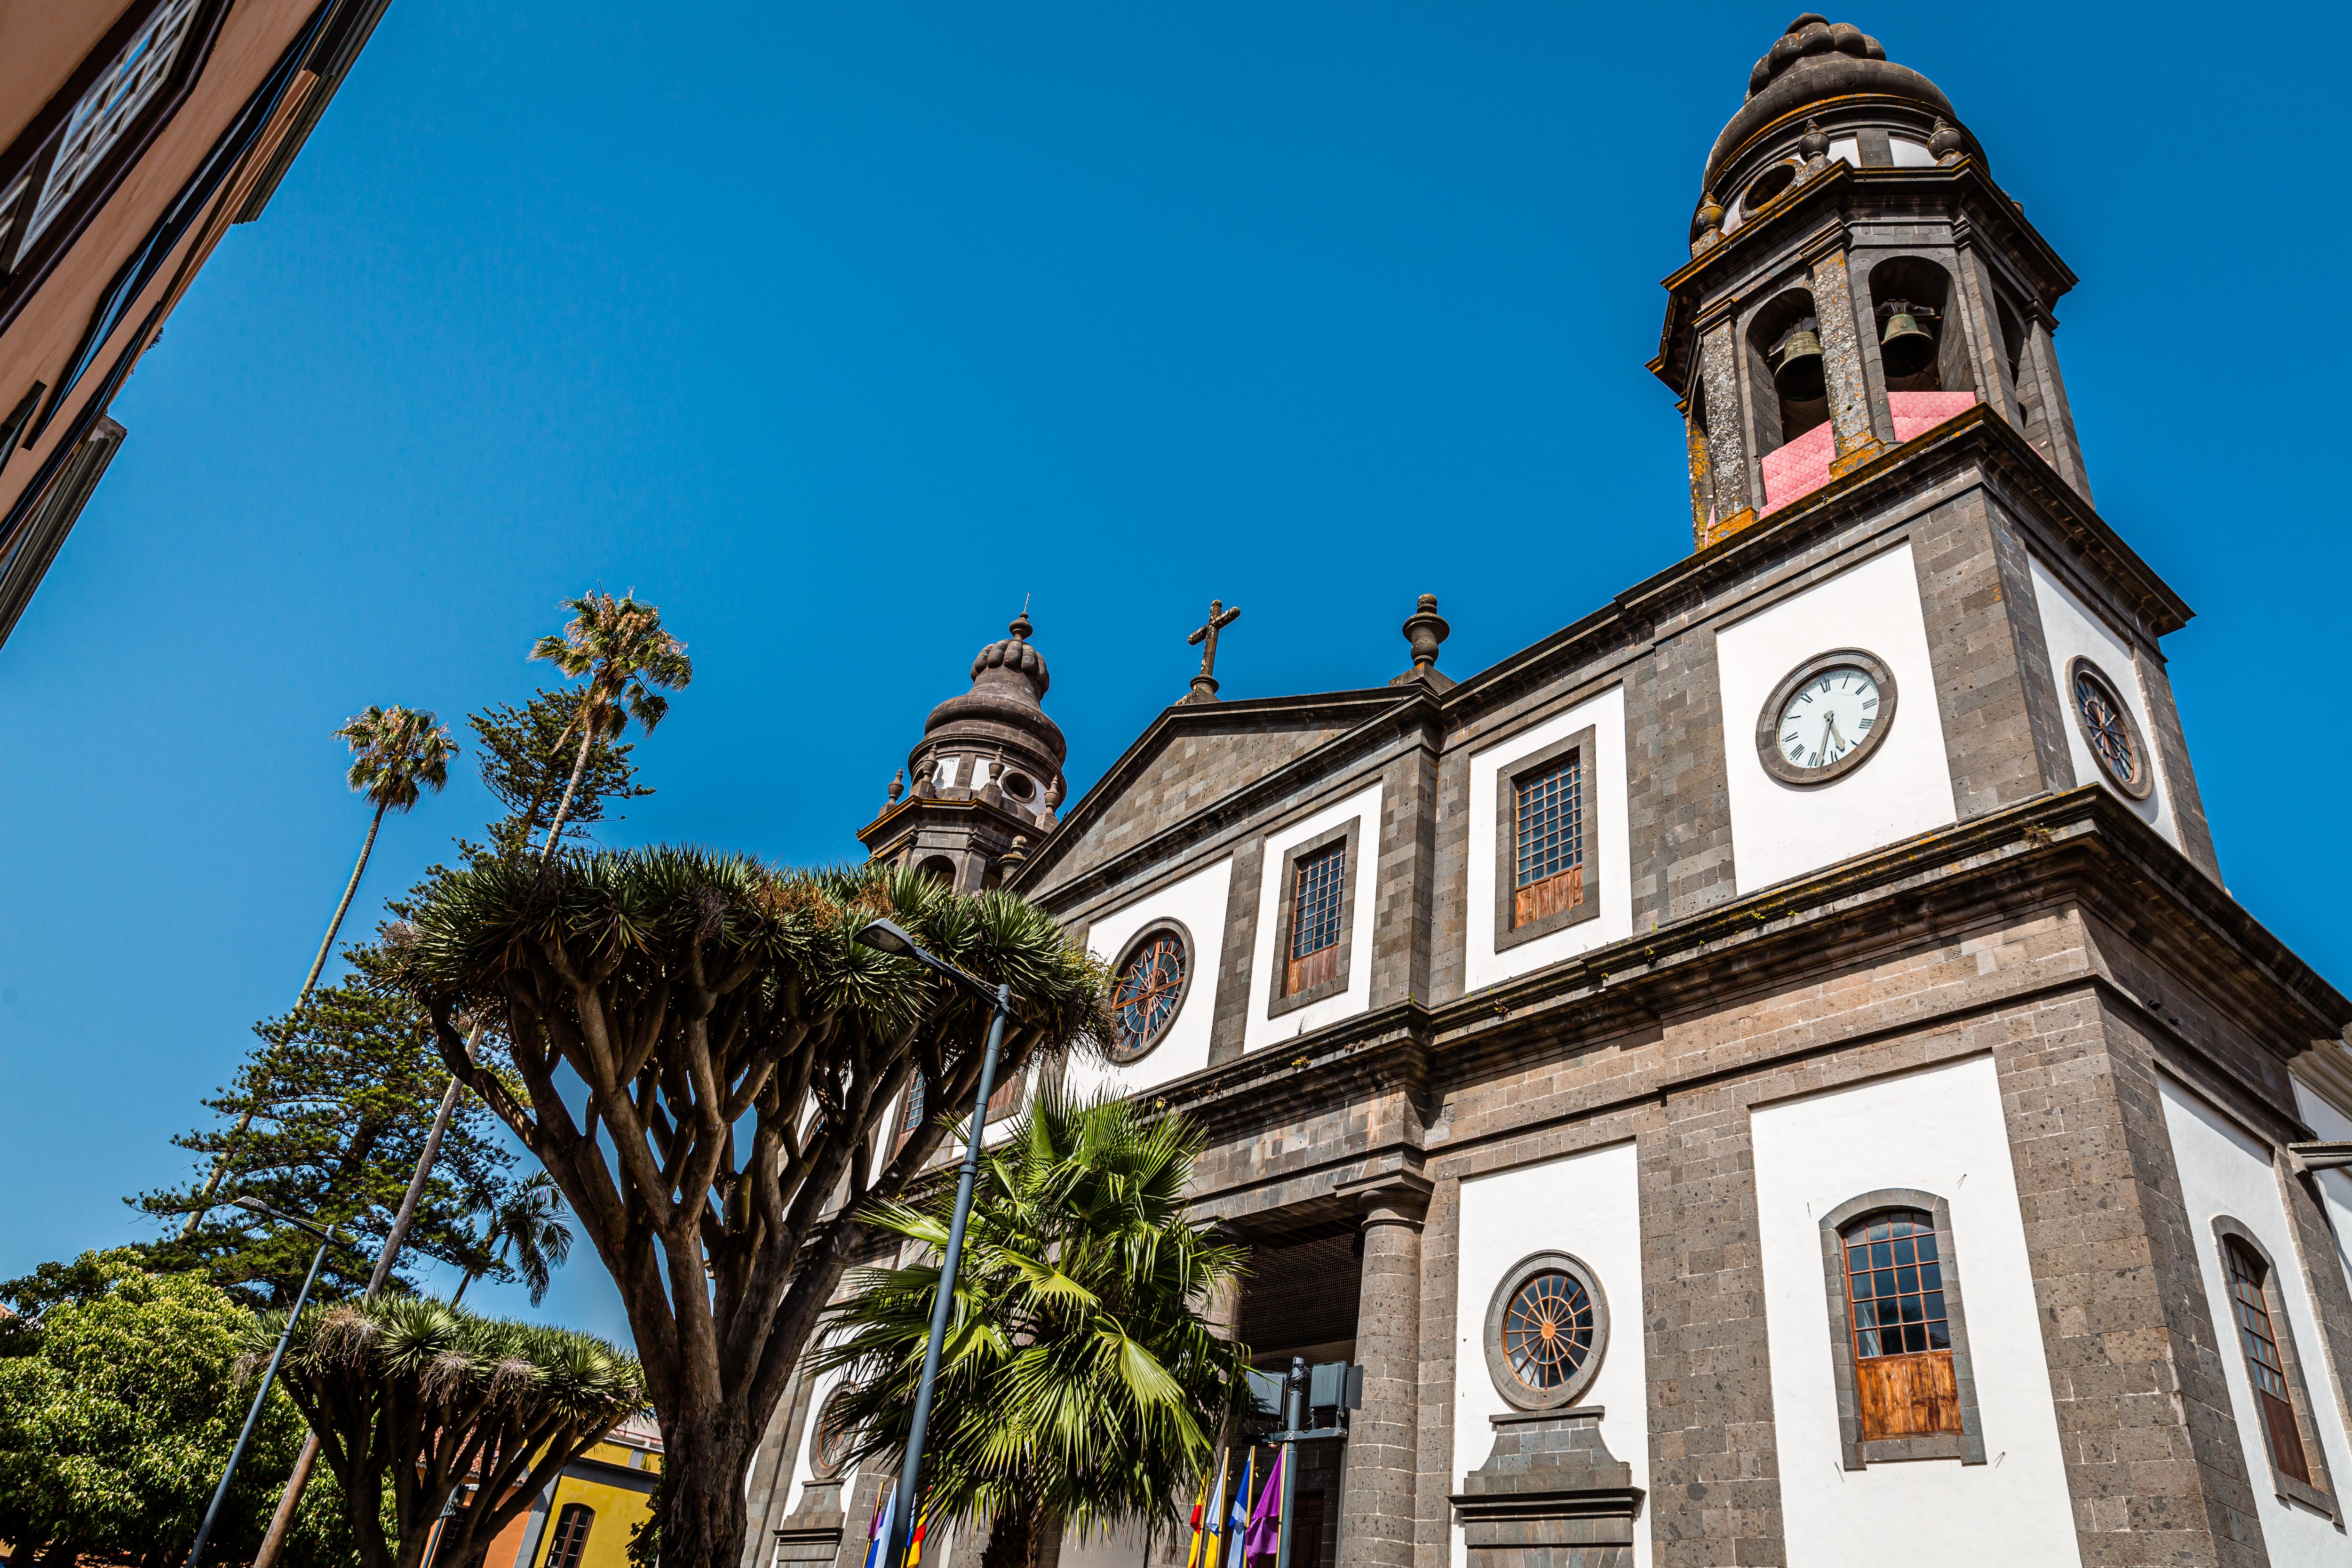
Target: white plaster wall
column 803, row 1465
column 1589, row 1206
column 1780, row 830
column 1120, row 1548
column 2333, row 1125
column 1909, row 154
column 1939, row 1130
column 2224, row 1171
column 2072, row 632
column 1605, row 807
column 1200, row 903
column 1265, row 970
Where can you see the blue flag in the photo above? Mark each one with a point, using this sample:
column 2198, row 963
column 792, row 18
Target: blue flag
column 1241, row 1494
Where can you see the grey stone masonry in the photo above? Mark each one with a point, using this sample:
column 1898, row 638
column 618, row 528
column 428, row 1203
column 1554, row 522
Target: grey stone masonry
column 1678, row 811
column 1841, row 364
column 1714, row 1466
column 1377, row 1503
column 1992, row 687
column 1550, row 1495
column 1727, row 445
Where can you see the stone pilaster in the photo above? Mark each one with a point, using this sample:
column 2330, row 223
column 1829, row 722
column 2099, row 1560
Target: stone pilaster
column 1988, row 355
column 2065, row 453
column 1376, row 1520
column 1550, row 1495
column 1841, row 364
column 1735, row 505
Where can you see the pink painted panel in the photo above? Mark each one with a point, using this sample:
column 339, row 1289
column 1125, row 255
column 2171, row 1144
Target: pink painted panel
column 1799, row 467
column 1916, row 411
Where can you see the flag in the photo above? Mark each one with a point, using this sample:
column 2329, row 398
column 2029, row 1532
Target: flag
column 1240, row 1520
column 879, row 1536
column 1264, row 1538
column 915, row 1541
column 1199, row 1506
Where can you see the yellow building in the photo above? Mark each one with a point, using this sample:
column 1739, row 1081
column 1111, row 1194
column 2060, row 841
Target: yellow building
column 584, row 1519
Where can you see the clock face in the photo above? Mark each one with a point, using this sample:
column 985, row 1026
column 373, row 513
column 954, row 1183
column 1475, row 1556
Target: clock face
column 1828, row 718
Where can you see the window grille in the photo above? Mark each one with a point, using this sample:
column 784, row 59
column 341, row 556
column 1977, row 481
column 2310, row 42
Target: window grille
column 1317, row 894
column 2103, row 719
column 107, row 109
column 2251, row 1307
column 1550, row 841
column 1902, row 1338
column 1548, row 1330
column 572, row 1526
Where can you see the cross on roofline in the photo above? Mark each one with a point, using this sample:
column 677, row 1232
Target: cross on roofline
column 1205, row 685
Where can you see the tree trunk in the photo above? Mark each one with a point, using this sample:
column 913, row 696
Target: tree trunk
column 1012, row 1539
column 220, row 1166
column 578, row 767
column 706, row 1455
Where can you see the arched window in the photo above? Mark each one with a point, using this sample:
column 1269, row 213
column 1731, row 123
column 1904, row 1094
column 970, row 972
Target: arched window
column 1899, row 1341
column 939, row 869
column 570, row 1538
column 2250, row 1306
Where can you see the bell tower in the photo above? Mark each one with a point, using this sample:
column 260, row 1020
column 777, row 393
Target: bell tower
column 1856, row 278
column 986, row 778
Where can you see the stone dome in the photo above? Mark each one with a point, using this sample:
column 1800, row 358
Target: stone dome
column 1004, row 707
column 1813, row 61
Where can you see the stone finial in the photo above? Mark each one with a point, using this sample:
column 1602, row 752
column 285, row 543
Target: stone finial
column 1814, row 145
column 1706, row 225
column 1423, row 630
column 1946, row 145
column 897, row 787
column 1012, row 859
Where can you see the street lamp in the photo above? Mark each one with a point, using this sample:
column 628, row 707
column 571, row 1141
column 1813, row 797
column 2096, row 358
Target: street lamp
column 885, row 936
column 252, row 1417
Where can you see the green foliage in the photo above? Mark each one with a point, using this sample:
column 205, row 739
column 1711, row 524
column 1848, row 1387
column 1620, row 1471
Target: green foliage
column 118, row 1409
column 527, row 755
column 707, row 1059
column 622, row 648
column 342, row 1097
column 530, row 1220
column 413, row 1398
column 395, row 752
column 1080, row 1378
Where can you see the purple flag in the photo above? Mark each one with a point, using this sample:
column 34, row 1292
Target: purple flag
column 1264, row 1537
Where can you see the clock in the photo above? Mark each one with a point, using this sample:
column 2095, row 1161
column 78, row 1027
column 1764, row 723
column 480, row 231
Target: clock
column 1826, row 717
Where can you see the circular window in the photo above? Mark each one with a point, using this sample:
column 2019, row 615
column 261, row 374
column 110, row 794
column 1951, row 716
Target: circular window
column 1768, row 184
column 1019, row 786
column 1148, row 987
column 2108, row 729
column 1826, row 718
column 830, row 1452
column 1545, row 1330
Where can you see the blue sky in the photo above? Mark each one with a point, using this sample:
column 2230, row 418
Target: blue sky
column 836, row 330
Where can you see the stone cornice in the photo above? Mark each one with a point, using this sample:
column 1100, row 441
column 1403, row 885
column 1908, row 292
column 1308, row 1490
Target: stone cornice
column 2083, row 847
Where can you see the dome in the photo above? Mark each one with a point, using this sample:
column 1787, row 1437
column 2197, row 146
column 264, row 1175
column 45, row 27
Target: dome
column 1005, row 705
column 1814, row 61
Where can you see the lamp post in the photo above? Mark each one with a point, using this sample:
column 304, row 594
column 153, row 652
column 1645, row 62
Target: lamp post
column 253, row 1416
column 885, row 936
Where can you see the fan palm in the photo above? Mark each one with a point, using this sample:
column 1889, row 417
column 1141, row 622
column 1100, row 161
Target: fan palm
column 621, row 646
column 1081, row 1379
column 397, row 754
column 420, row 1398
column 530, row 1221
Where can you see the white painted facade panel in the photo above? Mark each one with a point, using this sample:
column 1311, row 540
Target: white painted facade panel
column 1198, row 903
column 2224, row 1171
column 1589, row 1206
column 2072, row 632
column 1266, row 969
column 1605, row 803
column 1939, row 1130
column 1780, row 830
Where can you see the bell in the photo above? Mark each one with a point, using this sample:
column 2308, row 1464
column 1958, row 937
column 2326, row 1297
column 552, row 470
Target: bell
column 1797, row 367
column 1906, row 349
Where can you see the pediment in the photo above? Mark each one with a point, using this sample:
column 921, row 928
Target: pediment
column 1193, row 758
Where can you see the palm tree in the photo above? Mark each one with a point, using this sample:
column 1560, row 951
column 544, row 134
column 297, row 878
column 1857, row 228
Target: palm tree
column 397, row 754
column 1081, row 1378
column 530, row 1221
column 620, row 646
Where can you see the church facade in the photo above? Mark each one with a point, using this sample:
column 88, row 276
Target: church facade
column 1770, row 1074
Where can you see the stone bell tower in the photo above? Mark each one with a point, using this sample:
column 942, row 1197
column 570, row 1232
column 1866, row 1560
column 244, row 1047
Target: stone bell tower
column 1856, row 278
column 986, row 776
